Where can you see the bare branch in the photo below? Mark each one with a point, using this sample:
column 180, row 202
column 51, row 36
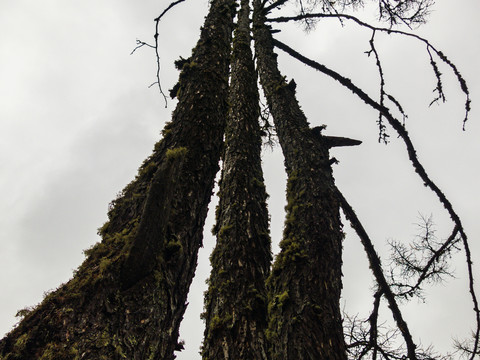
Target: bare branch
column 274, row 5
column 382, row 135
column 167, row 9
column 141, row 44
column 439, row 88
column 430, row 47
column 155, row 47
column 375, row 265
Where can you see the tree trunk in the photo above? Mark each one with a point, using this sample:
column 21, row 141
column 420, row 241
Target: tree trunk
column 127, row 299
column 305, row 284
column 235, row 303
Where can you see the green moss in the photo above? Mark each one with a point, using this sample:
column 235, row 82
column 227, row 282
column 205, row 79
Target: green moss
column 189, row 65
column 166, row 132
column 173, row 247
column 148, row 169
column 282, row 298
column 99, row 249
column 119, row 352
column 223, row 230
column 102, row 340
column 54, row 351
column 21, row 343
column 104, row 265
column 283, row 83
column 23, row 312
column 257, row 183
column 176, row 153
column 157, row 275
column 217, row 322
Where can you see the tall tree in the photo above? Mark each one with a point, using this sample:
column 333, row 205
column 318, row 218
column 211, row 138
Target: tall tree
column 128, row 297
column 236, row 301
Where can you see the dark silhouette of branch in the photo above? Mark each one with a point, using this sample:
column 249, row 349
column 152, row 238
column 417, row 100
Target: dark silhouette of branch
column 407, row 12
column 274, row 5
column 376, row 267
column 439, row 87
column 419, row 169
column 157, row 21
column 432, row 263
column 475, row 347
column 141, row 44
column 410, row 13
column 155, row 47
column 167, row 9
column 430, row 48
column 382, row 135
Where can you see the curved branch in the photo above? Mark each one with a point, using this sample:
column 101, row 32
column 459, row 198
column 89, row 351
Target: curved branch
column 167, row 9
column 155, row 47
column 274, row 5
column 430, row 47
column 376, row 266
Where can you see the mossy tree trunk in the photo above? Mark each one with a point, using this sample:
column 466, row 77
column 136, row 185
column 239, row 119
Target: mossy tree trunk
column 127, row 299
column 305, row 284
column 236, row 300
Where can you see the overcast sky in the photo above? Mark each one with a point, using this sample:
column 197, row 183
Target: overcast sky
column 77, row 119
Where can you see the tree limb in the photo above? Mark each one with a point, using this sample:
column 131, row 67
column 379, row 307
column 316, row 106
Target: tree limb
column 376, row 267
column 430, row 47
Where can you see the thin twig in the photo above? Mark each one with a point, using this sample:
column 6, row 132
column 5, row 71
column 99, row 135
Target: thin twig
column 157, row 54
column 460, row 79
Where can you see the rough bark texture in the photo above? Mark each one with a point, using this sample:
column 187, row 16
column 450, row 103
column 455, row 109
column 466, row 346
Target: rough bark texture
column 236, row 300
column 305, row 284
column 127, row 299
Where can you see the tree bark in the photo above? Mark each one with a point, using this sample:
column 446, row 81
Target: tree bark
column 236, row 300
column 127, row 299
column 305, row 284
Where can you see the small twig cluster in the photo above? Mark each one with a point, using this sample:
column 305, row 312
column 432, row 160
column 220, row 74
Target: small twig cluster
column 266, row 127
column 424, row 260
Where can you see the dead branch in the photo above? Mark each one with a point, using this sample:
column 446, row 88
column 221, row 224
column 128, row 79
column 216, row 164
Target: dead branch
column 155, row 47
column 376, row 266
column 430, row 48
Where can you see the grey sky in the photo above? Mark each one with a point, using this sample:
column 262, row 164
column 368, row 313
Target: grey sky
column 77, row 119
